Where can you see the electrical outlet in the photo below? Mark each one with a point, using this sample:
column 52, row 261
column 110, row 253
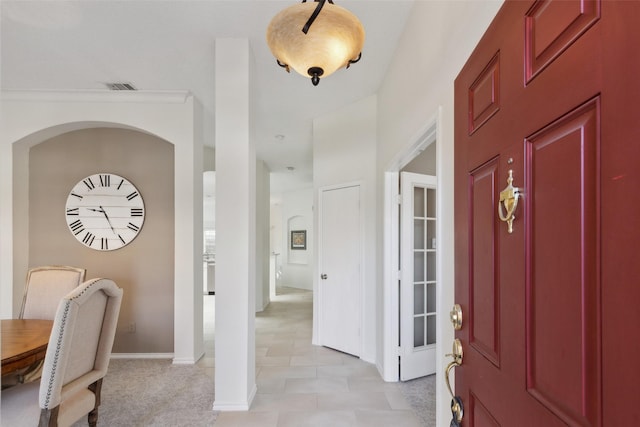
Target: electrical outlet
column 132, row 327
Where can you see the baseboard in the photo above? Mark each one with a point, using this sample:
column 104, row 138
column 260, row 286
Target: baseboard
column 174, row 360
column 232, row 406
column 187, row 360
column 142, row 355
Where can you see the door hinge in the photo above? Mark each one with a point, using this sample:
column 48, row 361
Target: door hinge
column 399, row 275
column 399, row 199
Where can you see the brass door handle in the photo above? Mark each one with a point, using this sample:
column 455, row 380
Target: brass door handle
column 457, row 408
column 509, row 198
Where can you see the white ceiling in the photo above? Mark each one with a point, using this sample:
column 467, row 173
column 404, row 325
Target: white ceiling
column 169, row 45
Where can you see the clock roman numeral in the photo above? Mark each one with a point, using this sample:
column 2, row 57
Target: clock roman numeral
column 73, row 211
column 136, row 211
column 76, row 195
column 105, row 180
column 133, row 227
column 132, row 196
column 89, row 183
column 122, row 240
column 104, row 243
column 88, row 238
column 120, row 185
column 76, row 227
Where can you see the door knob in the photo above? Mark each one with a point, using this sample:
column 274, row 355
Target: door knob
column 323, row 276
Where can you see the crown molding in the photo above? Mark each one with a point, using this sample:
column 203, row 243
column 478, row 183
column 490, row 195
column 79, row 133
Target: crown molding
column 138, row 96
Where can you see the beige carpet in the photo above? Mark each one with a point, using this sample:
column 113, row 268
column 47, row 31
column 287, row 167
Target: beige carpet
column 421, row 395
column 137, row 393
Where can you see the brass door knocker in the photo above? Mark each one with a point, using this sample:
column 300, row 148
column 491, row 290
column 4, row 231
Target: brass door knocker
column 509, row 198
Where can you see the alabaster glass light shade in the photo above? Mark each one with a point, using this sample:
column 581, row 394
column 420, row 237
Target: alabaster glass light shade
column 334, row 39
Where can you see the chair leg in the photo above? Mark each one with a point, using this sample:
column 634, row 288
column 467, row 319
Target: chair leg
column 49, row 417
column 96, row 388
column 93, row 418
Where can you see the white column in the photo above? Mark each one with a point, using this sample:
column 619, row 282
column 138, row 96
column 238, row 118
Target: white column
column 235, row 229
column 188, row 327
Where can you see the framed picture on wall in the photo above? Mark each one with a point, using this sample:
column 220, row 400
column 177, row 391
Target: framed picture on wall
column 299, row 239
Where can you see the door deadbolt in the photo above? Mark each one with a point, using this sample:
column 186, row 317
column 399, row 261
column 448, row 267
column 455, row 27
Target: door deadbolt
column 455, row 315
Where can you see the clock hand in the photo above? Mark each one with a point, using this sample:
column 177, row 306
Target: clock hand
column 108, row 220
column 102, row 211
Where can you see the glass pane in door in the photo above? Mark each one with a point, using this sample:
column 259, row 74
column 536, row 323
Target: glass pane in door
column 418, row 331
column 431, row 329
column 424, row 266
column 418, row 299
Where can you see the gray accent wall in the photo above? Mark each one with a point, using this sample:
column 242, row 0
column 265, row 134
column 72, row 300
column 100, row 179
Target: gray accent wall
column 145, row 267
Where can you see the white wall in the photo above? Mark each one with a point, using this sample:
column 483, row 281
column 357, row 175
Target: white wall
column 439, row 37
column 295, row 210
column 344, row 151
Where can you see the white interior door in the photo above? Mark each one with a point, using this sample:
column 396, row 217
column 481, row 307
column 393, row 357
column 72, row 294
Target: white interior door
column 339, row 268
column 418, row 284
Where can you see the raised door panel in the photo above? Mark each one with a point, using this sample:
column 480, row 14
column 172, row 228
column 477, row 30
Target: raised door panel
column 563, row 286
column 552, row 26
column 484, row 95
column 484, row 286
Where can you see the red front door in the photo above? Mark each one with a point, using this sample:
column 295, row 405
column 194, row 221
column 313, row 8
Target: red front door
column 550, row 320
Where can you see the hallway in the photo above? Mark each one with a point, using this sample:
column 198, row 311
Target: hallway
column 300, row 384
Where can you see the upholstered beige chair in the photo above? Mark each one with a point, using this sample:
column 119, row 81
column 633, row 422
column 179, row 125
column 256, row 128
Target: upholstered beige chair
column 45, row 287
column 75, row 363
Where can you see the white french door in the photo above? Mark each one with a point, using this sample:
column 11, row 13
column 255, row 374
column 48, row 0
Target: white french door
column 418, row 284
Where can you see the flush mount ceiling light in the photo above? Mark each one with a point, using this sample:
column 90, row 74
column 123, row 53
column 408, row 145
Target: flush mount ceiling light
column 315, row 38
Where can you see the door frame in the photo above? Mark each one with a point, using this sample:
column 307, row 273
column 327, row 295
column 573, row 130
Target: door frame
column 317, row 293
column 430, row 133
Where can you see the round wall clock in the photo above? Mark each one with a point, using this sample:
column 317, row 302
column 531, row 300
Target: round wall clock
column 104, row 211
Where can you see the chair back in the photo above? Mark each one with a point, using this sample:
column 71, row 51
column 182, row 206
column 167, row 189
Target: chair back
column 45, row 287
column 81, row 341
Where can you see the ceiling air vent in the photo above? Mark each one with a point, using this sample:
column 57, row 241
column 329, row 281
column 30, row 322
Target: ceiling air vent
column 120, row 86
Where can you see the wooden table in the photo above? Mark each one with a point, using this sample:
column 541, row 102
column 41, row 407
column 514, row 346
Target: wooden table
column 24, row 342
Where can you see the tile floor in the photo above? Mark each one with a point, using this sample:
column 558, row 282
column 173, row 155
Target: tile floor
column 302, row 385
